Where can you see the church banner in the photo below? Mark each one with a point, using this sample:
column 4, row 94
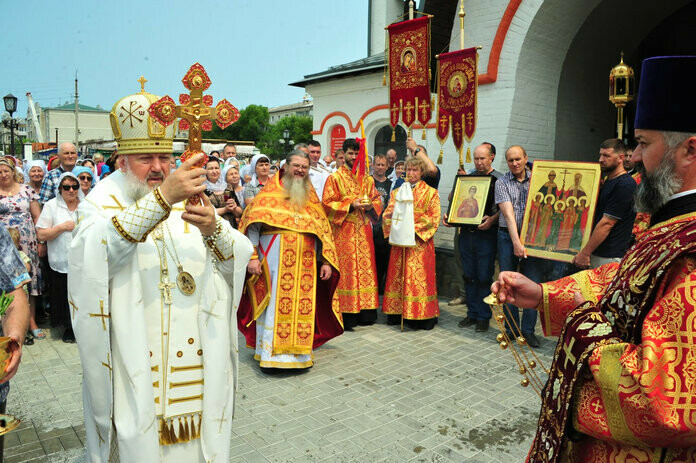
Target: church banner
column 409, row 71
column 457, row 86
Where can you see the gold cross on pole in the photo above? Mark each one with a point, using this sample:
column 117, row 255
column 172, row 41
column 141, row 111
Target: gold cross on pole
column 101, row 314
column 569, row 355
column 195, row 109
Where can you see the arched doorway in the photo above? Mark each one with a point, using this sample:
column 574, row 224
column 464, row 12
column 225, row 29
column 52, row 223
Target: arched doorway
column 383, row 141
column 584, row 115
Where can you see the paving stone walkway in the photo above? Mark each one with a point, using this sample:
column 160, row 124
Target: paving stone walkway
column 374, row 395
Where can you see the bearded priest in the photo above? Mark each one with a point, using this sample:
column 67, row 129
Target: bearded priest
column 351, row 205
column 153, row 286
column 622, row 386
column 410, row 222
column 286, row 310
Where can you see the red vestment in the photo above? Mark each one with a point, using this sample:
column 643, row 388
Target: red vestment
column 352, row 231
column 634, row 398
column 411, row 289
column 304, row 317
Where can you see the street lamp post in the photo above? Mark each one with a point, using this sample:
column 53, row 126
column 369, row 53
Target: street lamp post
column 286, row 141
column 11, row 106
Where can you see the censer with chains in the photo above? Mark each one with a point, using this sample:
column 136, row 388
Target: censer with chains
column 527, row 360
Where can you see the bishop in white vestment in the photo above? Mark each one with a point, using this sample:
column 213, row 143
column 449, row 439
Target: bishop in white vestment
column 154, row 302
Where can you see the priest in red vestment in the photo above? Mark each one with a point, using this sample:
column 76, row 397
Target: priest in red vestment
column 286, row 309
column 622, row 386
column 411, row 220
column 350, row 205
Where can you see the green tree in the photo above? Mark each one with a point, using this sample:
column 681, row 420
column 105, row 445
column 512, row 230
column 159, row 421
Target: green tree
column 252, row 125
column 300, row 128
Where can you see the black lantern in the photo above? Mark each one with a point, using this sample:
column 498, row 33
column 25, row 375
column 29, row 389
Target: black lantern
column 11, row 106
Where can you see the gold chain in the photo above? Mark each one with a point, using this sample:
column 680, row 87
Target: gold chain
column 176, row 254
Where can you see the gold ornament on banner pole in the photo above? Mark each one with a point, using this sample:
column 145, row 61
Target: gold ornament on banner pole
column 528, row 363
column 621, row 92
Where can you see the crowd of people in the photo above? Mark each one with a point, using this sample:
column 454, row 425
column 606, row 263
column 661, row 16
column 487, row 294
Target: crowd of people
column 146, row 269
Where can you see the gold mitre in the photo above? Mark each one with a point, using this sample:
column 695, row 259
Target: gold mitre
column 134, row 130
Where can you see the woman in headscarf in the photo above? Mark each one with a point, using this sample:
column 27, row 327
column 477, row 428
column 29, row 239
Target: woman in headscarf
column 55, row 226
column 105, row 172
column 86, row 177
column 260, row 170
column 224, row 203
column 19, row 209
column 89, row 163
column 35, row 173
column 398, row 172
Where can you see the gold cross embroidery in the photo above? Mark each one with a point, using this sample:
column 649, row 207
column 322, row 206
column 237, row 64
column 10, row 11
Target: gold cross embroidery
column 210, row 314
column 424, row 106
column 457, row 129
column 397, row 219
column 74, row 307
column 567, row 349
column 118, row 205
column 222, row 419
column 409, row 106
column 597, row 406
column 101, row 314
column 443, row 122
column 395, row 111
column 107, row 364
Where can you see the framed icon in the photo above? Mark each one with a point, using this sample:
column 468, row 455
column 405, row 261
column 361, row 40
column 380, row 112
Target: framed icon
column 470, row 193
column 560, row 208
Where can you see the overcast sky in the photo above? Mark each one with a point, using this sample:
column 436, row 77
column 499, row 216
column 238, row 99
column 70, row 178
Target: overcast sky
column 251, row 49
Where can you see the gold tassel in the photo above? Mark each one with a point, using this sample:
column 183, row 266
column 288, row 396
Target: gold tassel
column 439, row 158
column 461, row 158
column 384, row 78
column 180, row 438
column 393, row 138
column 468, row 154
column 423, row 136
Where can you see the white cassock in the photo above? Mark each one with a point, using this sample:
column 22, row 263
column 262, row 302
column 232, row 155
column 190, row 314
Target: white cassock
column 317, row 177
column 146, row 346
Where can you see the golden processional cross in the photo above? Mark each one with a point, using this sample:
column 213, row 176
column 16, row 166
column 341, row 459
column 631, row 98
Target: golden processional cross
column 195, row 109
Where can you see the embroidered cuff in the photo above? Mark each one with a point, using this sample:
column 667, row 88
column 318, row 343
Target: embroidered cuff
column 136, row 221
column 221, row 243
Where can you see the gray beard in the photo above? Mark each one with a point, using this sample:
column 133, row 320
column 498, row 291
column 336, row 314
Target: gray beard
column 655, row 189
column 135, row 188
column 297, row 190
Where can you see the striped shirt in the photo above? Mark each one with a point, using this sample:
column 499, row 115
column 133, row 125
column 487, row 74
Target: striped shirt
column 509, row 189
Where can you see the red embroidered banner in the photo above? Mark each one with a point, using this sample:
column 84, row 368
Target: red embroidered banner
column 409, row 71
column 457, row 86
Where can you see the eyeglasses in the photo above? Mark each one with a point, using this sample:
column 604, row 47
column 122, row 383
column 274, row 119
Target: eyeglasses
column 299, row 166
column 85, row 177
column 68, row 187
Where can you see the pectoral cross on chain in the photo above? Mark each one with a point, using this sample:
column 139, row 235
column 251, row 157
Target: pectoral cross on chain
column 165, row 288
column 195, row 109
column 101, row 314
column 567, row 348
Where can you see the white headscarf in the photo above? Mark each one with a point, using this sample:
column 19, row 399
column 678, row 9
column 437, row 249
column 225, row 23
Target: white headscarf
column 254, row 160
column 231, row 160
column 217, row 187
column 392, row 176
column 59, row 197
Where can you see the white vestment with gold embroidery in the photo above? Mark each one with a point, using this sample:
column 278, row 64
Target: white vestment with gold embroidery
column 149, row 365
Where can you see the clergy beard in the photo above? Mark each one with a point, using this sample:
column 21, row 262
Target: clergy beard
column 296, row 189
column 135, row 188
column 656, row 188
